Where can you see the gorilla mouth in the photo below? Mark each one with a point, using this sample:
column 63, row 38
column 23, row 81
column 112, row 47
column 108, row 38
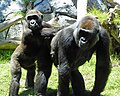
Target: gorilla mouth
column 82, row 42
column 34, row 27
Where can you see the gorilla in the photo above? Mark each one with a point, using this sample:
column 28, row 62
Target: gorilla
column 34, row 51
column 71, row 47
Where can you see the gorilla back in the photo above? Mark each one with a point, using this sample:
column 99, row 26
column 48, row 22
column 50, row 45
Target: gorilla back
column 35, row 46
column 72, row 47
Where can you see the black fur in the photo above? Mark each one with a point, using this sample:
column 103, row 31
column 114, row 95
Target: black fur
column 72, row 47
column 35, row 46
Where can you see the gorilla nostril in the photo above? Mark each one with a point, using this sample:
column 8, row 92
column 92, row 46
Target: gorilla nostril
column 32, row 22
column 83, row 40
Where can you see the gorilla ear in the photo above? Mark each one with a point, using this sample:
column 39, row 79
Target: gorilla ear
column 97, row 30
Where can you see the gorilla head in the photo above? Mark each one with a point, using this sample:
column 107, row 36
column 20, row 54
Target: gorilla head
column 87, row 32
column 34, row 19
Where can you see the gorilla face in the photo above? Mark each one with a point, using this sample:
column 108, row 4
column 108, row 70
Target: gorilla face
column 86, row 37
column 34, row 19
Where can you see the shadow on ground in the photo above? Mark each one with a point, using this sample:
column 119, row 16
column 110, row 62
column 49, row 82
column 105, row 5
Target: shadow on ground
column 50, row 92
column 30, row 92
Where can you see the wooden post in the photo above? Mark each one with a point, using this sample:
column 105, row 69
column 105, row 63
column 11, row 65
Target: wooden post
column 81, row 9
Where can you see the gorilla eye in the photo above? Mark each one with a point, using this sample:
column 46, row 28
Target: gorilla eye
column 85, row 34
column 35, row 17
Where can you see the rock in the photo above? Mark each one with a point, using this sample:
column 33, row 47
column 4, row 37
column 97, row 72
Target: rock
column 43, row 5
column 99, row 4
column 64, row 9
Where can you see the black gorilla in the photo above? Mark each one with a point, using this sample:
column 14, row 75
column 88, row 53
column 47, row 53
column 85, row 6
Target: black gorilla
column 72, row 47
column 35, row 46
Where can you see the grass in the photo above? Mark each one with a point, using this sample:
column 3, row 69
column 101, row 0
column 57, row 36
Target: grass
column 112, row 88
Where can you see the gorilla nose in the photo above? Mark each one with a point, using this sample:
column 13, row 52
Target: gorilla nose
column 32, row 22
column 83, row 40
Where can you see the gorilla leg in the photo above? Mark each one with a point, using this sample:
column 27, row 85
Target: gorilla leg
column 30, row 77
column 44, row 71
column 16, row 75
column 78, row 85
column 64, row 77
column 18, row 61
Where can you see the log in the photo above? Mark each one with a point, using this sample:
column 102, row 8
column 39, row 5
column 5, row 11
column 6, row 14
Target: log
column 9, row 44
column 5, row 25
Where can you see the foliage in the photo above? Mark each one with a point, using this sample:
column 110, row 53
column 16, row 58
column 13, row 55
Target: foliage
column 19, row 13
column 117, row 19
column 26, row 2
column 112, row 88
column 103, row 16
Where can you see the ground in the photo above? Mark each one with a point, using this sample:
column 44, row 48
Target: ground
column 112, row 88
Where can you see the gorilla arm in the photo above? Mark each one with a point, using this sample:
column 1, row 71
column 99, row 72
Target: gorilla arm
column 102, row 63
column 46, row 25
column 49, row 32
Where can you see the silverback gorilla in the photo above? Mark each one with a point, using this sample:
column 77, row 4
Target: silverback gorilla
column 71, row 47
column 35, row 46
